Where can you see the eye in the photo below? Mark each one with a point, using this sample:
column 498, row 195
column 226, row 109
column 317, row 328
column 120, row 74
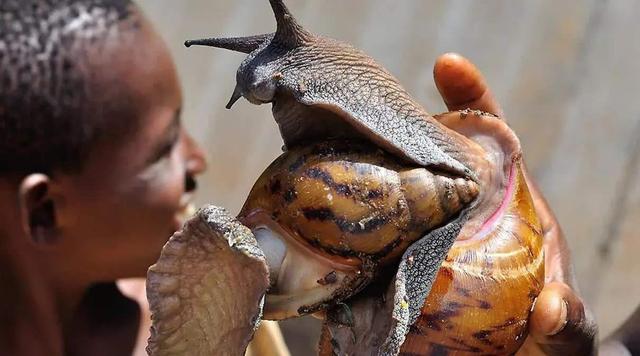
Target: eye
column 164, row 150
column 264, row 90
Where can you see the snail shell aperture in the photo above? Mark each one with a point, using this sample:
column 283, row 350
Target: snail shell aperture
column 415, row 232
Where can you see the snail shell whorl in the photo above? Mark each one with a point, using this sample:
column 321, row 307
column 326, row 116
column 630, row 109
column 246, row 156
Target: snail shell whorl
column 484, row 290
column 331, row 215
column 352, row 199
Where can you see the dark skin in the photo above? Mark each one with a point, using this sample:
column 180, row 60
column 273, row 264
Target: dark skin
column 560, row 323
column 66, row 237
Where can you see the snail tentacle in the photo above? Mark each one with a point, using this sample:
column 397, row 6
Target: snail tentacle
column 246, row 44
column 289, row 33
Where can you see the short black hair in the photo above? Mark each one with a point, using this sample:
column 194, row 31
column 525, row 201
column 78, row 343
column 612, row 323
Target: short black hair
column 47, row 123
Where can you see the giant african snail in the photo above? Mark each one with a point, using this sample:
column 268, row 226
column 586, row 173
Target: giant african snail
column 369, row 181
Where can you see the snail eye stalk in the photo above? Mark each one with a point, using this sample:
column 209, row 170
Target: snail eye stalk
column 246, row 44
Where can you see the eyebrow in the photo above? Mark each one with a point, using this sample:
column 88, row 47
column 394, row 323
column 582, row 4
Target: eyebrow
column 168, row 138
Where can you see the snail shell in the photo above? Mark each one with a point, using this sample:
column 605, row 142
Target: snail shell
column 328, row 216
column 484, row 291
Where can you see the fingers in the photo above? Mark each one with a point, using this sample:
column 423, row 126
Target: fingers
column 462, row 85
column 559, row 324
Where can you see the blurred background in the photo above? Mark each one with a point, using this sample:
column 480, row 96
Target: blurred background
column 566, row 73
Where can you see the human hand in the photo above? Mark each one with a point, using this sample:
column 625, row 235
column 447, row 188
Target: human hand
column 560, row 323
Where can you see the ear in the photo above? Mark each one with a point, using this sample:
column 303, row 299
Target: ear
column 37, row 209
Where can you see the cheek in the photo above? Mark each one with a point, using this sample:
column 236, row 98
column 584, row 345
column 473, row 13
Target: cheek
column 140, row 212
column 161, row 186
column 151, row 208
column 129, row 222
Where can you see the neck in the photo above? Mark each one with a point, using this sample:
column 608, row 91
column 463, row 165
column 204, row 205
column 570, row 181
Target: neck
column 36, row 310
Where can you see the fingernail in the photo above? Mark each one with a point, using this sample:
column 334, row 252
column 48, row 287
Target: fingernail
column 562, row 320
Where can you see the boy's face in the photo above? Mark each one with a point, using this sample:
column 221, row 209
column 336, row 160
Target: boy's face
column 115, row 216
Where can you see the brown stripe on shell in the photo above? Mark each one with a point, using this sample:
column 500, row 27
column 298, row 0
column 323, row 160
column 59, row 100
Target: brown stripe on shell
column 345, row 225
column 327, row 179
column 290, row 195
column 275, row 186
column 483, row 336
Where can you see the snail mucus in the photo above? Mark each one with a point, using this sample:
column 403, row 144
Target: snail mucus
column 369, row 182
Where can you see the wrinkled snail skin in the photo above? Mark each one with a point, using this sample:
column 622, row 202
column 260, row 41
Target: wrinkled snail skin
column 320, row 88
column 330, row 215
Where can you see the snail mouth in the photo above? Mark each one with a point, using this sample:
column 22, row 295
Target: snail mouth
column 301, row 279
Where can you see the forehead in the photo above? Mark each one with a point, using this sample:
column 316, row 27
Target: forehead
column 137, row 68
column 134, row 71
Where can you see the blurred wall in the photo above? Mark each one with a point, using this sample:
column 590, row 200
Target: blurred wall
column 566, row 73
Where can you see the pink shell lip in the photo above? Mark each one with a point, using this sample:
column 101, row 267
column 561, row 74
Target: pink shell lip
column 496, row 163
column 490, row 224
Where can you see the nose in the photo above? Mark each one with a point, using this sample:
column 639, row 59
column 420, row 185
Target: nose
column 196, row 162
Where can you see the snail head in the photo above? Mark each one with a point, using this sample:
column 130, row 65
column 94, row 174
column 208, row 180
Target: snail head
column 259, row 74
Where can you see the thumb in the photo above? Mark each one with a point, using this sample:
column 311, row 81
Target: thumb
column 462, row 85
column 560, row 324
